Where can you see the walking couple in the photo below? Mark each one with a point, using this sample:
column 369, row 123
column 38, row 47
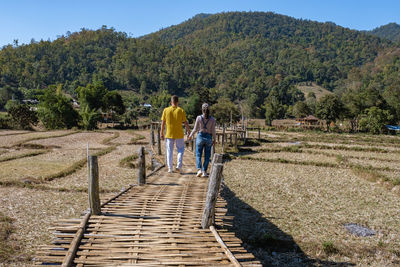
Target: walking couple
column 173, row 117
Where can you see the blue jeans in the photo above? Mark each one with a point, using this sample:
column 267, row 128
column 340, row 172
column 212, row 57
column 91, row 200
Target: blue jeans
column 203, row 141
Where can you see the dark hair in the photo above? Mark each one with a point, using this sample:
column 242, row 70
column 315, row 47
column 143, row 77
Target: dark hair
column 174, row 99
column 206, row 113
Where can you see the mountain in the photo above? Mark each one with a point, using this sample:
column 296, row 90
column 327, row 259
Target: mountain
column 389, row 31
column 243, row 56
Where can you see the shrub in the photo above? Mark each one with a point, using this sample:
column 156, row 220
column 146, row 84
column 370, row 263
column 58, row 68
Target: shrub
column 56, row 111
column 22, row 117
column 374, row 120
column 90, row 117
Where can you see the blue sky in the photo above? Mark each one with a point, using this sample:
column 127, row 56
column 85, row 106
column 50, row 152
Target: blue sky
column 45, row 19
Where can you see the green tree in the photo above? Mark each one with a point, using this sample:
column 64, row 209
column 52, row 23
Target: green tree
column 329, row 108
column 192, row 107
column 55, row 110
column 143, row 88
column 112, row 101
column 374, row 120
column 130, row 116
column 92, row 95
column 8, row 93
column 90, row 117
column 11, row 103
column 23, row 117
column 158, row 103
column 301, row 109
column 273, row 109
column 311, row 102
column 225, row 111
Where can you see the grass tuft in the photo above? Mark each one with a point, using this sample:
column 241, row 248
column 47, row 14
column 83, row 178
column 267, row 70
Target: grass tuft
column 137, row 137
column 127, row 162
column 329, row 248
column 341, row 159
column 77, row 165
column 369, row 174
column 30, row 154
column 108, row 140
column 23, row 142
column 287, row 161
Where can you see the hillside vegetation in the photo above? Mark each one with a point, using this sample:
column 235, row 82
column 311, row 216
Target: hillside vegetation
column 389, row 31
column 253, row 59
column 309, row 89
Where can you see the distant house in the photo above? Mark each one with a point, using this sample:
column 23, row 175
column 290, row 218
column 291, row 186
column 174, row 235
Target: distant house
column 75, row 104
column 310, row 120
column 108, row 116
column 31, row 101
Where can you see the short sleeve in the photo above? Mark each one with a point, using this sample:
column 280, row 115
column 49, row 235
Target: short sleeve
column 183, row 116
column 163, row 116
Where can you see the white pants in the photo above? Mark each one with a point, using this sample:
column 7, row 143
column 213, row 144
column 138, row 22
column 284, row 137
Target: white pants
column 180, row 147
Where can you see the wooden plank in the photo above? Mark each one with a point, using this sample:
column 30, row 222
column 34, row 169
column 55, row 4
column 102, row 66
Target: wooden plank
column 224, row 247
column 69, row 257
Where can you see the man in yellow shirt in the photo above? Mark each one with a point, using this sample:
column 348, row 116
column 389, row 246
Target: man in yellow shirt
column 173, row 117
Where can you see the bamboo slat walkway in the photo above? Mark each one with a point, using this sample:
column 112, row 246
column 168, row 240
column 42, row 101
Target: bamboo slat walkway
column 151, row 225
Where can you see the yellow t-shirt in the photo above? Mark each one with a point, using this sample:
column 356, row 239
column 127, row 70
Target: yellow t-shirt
column 174, row 117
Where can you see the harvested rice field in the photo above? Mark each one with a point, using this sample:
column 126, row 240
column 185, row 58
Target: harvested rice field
column 43, row 178
column 291, row 193
column 300, row 193
column 10, row 140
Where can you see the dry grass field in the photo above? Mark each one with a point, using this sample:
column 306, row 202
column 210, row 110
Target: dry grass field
column 300, row 189
column 291, row 193
column 43, row 178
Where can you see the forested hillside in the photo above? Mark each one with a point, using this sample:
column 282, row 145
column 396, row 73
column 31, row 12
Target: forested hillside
column 251, row 58
column 389, row 31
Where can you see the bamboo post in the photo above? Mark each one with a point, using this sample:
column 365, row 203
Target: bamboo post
column 141, row 167
column 212, row 194
column 236, row 139
column 230, row 138
column 259, row 133
column 94, row 198
column 223, row 139
column 212, row 151
column 158, row 140
column 217, row 158
column 151, row 135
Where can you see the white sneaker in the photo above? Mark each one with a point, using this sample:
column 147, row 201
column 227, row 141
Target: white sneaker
column 170, row 171
column 199, row 172
column 204, row 174
column 179, row 170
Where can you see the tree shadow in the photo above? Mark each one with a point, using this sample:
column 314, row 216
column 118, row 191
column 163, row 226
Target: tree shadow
column 268, row 243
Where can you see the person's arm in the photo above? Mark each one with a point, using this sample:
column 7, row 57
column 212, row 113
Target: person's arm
column 162, row 129
column 195, row 128
column 187, row 128
column 163, row 119
column 184, row 120
column 214, row 134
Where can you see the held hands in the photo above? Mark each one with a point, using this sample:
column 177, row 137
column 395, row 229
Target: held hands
column 162, row 136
